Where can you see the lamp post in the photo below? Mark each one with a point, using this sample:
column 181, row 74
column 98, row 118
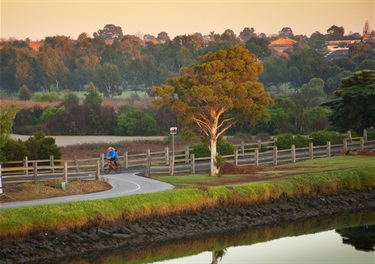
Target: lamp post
column 173, row 131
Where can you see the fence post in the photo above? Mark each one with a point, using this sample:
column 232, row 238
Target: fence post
column 365, row 135
column 328, row 149
column 171, row 167
column 256, row 157
column 97, row 172
column 187, row 154
column 126, row 160
column 275, row 155
column 148, row 153
column 76, row 162
column 350, row 136
column 66, row 172
column 35, row 171
column 259, row 144
column 345, row 144
column 166, row 155
column 236, row 157
column 293, row 153
column 148, row 166
column 311, row 150
column 192, row 163
column 52, row 163
column 362, row 143
column 26, row 165
column 242, row 147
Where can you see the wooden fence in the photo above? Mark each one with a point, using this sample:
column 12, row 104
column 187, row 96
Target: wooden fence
column 165, row 163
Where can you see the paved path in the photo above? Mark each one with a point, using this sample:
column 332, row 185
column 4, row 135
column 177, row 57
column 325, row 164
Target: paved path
column 122, row 184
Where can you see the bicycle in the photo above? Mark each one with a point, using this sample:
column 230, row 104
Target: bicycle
column 111, row 166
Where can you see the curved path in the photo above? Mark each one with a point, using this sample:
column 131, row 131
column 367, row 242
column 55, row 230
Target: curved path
column 122, row 184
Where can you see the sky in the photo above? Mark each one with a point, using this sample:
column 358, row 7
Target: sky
column 38, row 19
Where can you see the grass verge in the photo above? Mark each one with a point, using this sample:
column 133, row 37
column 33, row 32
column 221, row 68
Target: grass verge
column 26, row 220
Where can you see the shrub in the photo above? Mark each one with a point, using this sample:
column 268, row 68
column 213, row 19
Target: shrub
column 284, row 141
column 320, row 138
column 300, row 141
column 201, row 150
column 47, row 97
column 70, row 98
column 15, row 150
column 223, row 148
column 24, row 93
column 370, row 134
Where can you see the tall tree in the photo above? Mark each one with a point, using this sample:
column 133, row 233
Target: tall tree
column 335, row 32
column 109, row 80
column 6, row 123
column 215, row 93
column 355, row 107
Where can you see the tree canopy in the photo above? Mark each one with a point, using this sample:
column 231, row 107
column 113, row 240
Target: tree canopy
column 355, row 107
column 216, row 92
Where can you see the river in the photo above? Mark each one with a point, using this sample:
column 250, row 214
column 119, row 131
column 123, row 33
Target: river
column 341, row 239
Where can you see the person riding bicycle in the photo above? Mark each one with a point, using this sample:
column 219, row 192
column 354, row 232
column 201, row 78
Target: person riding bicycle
column 112, row 155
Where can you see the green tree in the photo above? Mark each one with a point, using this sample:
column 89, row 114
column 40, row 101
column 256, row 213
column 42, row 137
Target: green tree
column 42, row 147
column 259, row 47
column 93, row 96
column 24, row 93
column 109, row 80
column 354, row 108
column 216, row 92
column 6, row 123
column 70, row 98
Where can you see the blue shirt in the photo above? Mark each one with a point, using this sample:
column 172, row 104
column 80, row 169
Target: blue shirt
column 112, row 154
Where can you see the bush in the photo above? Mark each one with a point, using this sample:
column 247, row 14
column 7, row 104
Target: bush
column 70, row 97
column 285, row 141
column 15, row 150
column 301, row 141
column 24, row 93
column 47, row 97
column 370, row 134
column 223, row 148
column 201, row 150
column 320, row 138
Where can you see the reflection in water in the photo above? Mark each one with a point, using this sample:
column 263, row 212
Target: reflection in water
column 217, row 255
column 219, row 242
column 362, row 237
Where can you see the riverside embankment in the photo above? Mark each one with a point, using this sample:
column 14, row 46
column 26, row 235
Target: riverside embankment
column 63, row 242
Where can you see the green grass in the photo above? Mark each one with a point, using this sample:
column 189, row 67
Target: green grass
column 22, row 221
column 338, row 163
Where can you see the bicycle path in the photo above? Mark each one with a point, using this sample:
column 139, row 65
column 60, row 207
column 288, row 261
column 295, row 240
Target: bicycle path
column 123, row 184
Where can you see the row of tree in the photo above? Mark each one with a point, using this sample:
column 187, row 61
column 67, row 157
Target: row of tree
column 130, row 62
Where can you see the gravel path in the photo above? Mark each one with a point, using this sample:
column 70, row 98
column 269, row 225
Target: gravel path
column 63, row 141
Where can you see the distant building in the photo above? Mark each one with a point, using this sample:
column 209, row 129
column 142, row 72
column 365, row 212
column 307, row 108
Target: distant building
column 339, row 48
column 281, row 45
column 35, row 45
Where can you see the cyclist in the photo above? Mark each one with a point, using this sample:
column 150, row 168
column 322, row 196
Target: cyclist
column 112, row 155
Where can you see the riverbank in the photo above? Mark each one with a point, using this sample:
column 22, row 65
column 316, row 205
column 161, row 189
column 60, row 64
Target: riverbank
column 60, row 243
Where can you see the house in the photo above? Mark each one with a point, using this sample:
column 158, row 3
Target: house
column 35, row 45
column 281, row 45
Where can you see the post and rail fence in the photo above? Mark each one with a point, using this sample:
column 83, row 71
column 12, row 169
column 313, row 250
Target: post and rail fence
column 164, row 163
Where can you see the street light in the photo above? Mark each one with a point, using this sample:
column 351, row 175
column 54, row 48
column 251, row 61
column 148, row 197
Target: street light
column 173, row 131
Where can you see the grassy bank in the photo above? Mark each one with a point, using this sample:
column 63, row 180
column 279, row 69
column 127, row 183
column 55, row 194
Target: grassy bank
column 22, row 221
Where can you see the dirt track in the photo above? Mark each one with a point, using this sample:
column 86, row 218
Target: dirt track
column 63, row 141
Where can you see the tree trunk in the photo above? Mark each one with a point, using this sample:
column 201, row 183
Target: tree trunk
column 214, row 168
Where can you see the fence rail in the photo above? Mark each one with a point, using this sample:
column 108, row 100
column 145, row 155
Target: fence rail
column 163, row 163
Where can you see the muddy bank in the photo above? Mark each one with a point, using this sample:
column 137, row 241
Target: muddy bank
column 63, row 242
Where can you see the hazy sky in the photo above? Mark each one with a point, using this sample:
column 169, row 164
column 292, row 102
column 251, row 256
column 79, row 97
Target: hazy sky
column 37, row 19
